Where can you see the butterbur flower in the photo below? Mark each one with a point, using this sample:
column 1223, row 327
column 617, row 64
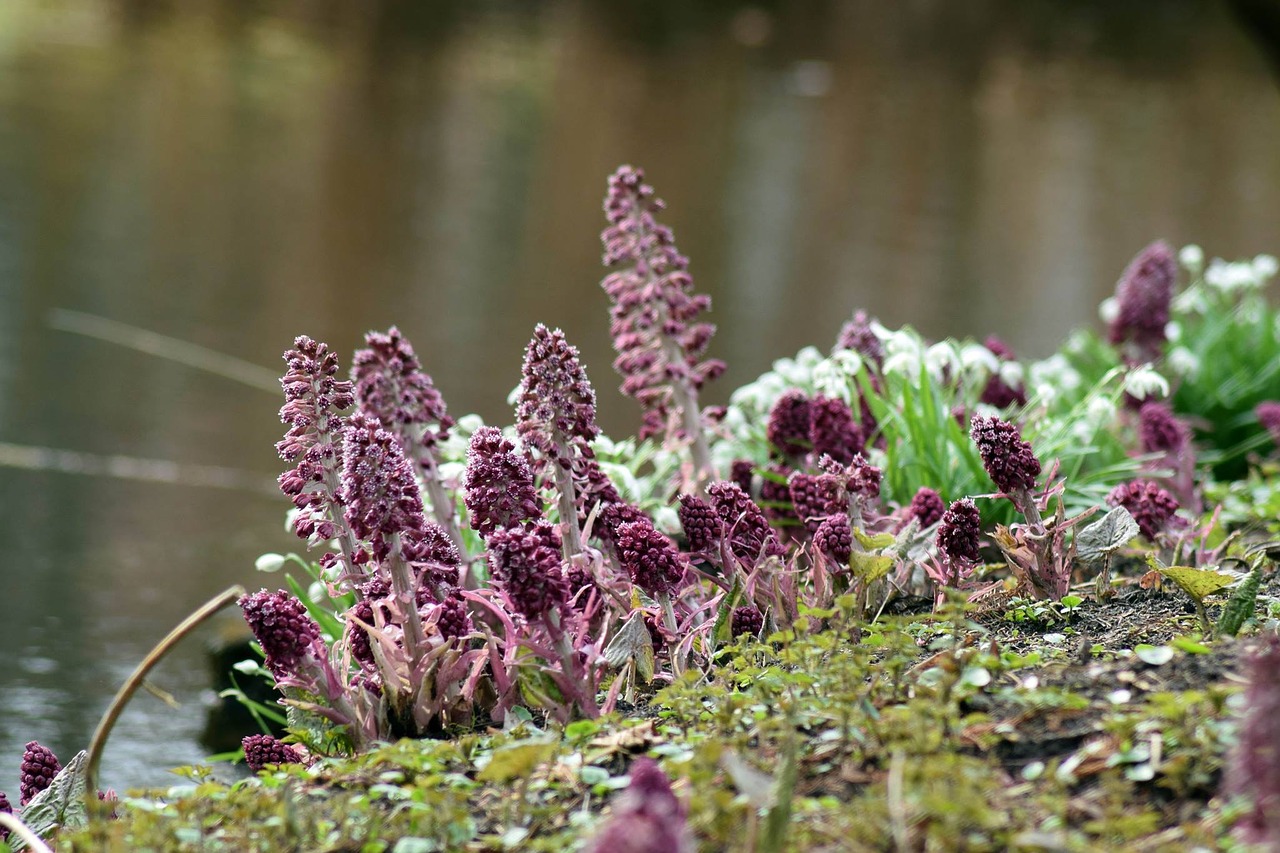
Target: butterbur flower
column 37, row 771
column 814, row 498
column 750, row 536
column 391, row 385
column 957, row 538
column 527, row 568
column 857, row 335
column 746, row 620
column 832, row 429
column 261, row 751
column 741, row 472
column 700, row 523
column 314, row 398
column 926, row 507
column 358, row 640
column 499, row 484
column 1151, row 506
column 656, row 325
column 1253, row 770
column 863, row 478
column 1159, row 430
column 647, row 818
column 1010, row 461
column 452, row 619
column 998, row 392
column 556, row 412
column 1143, row 296
column 380, row 494
column 789, row 422
column 7, row 808
column 281, row 625
column 835, row 539
column 1268, row 414
column 649, row 558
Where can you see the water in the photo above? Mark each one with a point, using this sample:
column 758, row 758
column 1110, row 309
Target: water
column 232, row 177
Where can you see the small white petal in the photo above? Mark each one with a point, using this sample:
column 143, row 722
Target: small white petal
column 1191, row 256
column 1109, row 310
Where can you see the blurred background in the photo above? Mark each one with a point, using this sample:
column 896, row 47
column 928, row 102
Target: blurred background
column 232, row 173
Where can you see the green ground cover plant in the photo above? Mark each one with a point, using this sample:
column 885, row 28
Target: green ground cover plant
column 901, row 595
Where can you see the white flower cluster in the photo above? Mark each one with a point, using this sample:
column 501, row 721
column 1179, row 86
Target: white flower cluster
column 1236, row 276
column 1052, row 377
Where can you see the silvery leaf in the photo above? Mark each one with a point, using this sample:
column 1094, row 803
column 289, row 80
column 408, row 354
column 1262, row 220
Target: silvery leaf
column 1107, row 535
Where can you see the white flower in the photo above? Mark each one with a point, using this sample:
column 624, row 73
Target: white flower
column 829, row 378
column 1109, row 310
column 1264, row 267
column 1055, row 371
column 1191, row 301
column 1192, row 257
column 1046, row 393
column 667, row 520
column 1173, row 331
column 1143, row 382
column 978, row 357
column 1011, row 373
column 1230, row 277
column 269, row 563
column 1102, row 410
column 1183, row 362
column 943, row 358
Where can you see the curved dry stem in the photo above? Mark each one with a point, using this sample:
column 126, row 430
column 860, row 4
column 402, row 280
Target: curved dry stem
column 20, row 829
column 135, row 680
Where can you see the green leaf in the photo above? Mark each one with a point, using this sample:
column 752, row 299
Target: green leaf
column 515, row 761
column 59, row 805
column 723, row 630
column 1107, row 535
column 1198, row 583
column 873, row 542
column 777, row 822
column 1240, row 606
column 1189, row 646
column 869, row 568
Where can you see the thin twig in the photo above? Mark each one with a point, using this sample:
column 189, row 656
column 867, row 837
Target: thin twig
column 135, row 680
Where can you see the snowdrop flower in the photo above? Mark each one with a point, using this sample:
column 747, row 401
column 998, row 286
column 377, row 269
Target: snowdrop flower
column 1011, row 373
column 1102, row 410
column 1055, row 371
column 1109, row 310
column 1173, row 331
column 942, row 359
column 832, row 379
column 1143, row 382
column 1231, row 277
column 1192, row 257
column 1183, row 362
column 1191, row 301
column 1265, row 267
column 976, row 357
column 269, row 563
column 1046, row 394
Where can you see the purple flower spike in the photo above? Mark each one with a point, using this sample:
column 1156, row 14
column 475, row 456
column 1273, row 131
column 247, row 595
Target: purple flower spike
column 525, row 565
column 814, row 498
column 391, row 386
column 649, row 558
column 7, row 808
column 313, row 399
column 1253, row 770
column 261, row 751
column 700, row 522
column 864, row 478
column 656, row 327
column 1160, row 430
column 958, row 536
column 1009, row 460
column 741, row 472
column 1151, row 506
column 926, row 507
column 358, row 640
column 556, row 412
column 647, row 818
column 997, row 392
column 499, row 484
column 1143, row 296
column 833, row 431
column 281, row 625
column 378, row 488
column 750, row 536
column 37, row 771
column 746, row 620
column 789, row 424
column 858, row 336
column 1268, row 414
column 835, row 539
column 453, row 620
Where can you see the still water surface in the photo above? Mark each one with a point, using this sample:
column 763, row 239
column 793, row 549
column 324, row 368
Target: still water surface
column 232, row 177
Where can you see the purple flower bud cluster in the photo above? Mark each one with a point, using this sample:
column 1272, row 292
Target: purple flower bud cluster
column 789, row 421
column 1143, row 296
column 997, row 392
column 655, row 316
column 1268, row 414
column 1009, row 460
column 926, row 507
column 750, row 536
column 702, row 527
column 526, row 566
column 452, row 619
column 37, row 771
column 746, row 620
column 649, row 558
column 958, row 536
column 648, row 818
column 313, row 442
column 391, row 386
column 1253, row 770
column 381, row 496
column 281, row 625
column 556, row 412
column 835, row 539
column 815, row 498
column 357, row 636
column 261, row 751
column 863, row 477
column 499, row 484
column 858, row 336
column 1160, row 430
column 741, row 471
column 833, row 431
column 7, row 808
column 1151, row 506
column 434, row 558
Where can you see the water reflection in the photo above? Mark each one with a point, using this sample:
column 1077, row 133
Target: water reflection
column 233, row 176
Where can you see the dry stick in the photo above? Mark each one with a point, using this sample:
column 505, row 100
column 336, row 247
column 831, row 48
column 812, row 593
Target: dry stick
column 135, row 680
column 20, row 829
